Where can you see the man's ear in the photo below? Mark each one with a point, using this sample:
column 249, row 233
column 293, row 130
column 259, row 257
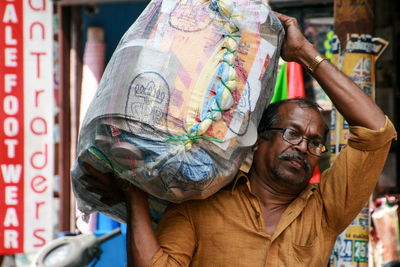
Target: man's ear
column 257, row 144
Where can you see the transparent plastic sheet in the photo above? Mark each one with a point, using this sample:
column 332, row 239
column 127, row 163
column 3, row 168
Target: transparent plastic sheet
column 177, row 108
column 386, row 224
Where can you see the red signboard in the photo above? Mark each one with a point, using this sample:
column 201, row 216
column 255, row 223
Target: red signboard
column 12, row 122
column 26, row 119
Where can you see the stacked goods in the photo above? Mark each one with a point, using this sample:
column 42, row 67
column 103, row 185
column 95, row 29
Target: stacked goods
column 178, row 105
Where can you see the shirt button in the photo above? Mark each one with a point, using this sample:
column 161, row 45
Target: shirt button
column 257, row 214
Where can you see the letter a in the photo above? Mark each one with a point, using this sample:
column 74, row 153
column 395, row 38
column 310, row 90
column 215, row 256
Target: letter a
column 9, row 14
column 11, row 218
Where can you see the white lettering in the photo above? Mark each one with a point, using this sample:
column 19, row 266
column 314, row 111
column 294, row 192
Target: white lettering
column 10, row 54
column 9, row 38
column 10, row 81
column 10, row 106
column 10, row 15
column 11, row 195
column 11, row 143
column 10, row 238
column 11, row 126
column 11, row 218
column 11, row 173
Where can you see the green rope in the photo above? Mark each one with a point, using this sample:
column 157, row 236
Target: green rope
column 229, row 50
column 187, row 138
column 229, row 64
column 233, row 37
column 218, row 109
column 211, row 118
column 226, row 86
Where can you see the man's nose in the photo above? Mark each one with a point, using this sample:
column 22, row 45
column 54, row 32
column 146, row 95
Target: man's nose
column 302, row 146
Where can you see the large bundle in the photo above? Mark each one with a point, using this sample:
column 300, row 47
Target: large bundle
column 178, row 105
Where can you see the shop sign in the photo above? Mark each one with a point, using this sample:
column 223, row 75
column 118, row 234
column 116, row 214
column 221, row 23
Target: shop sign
column 26, row 119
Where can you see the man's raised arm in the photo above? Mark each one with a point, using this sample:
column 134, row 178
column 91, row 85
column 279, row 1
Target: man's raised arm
column 348, row 98
column 141, row 243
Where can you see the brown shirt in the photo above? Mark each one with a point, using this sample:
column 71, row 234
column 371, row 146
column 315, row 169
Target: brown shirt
column 228, row 228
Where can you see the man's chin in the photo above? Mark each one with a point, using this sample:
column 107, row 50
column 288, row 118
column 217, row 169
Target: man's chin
column 292, row 178
column 294, row 181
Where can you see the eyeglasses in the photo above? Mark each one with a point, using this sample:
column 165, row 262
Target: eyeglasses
column 293, row 137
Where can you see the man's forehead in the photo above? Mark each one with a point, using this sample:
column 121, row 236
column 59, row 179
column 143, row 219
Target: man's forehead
column 299, row 112
column 293, row 105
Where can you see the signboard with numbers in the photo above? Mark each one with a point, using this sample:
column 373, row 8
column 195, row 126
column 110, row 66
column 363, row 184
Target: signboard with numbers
column 358, row 62
column 26, row 119
column 351, row 248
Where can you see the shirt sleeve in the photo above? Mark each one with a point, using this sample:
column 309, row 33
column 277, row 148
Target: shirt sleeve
column 176, row 236
column 348, row 184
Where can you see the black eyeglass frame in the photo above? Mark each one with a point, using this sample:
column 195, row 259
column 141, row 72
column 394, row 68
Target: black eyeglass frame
column 320, row 146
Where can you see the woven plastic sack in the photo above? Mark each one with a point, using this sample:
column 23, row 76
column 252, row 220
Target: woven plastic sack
column 178, row 105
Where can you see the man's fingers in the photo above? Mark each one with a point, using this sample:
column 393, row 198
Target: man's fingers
column 91, row 170
column 104, row 184
column 283, row 18
column 93, row 181
column 97, row 190
column 286, row 20
column 102, row 177
column 279, row 15
column 110, row 201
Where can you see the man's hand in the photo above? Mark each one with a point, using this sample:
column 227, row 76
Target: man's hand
column 357, row 108
column 295, row 42
column 141, row 242
column 109, row 187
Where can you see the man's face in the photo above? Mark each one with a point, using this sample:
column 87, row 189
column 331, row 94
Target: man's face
column 283, row 163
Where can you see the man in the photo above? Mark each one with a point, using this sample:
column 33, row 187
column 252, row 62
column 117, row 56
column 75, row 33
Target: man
column 273, row 216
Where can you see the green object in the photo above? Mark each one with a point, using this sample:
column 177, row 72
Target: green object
column 328, row 45
column 281, row 86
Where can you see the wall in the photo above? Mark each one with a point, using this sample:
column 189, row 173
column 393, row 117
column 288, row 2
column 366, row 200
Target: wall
column 115, row 19
column 387, row 26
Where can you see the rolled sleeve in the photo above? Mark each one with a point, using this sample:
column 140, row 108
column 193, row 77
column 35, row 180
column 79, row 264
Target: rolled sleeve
column 176, row 237
column 157, row 257
column 348, row 183
column 365, row 139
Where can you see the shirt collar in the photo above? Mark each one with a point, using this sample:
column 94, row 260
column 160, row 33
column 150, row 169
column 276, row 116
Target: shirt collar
column 242, row 177
column 308, row 191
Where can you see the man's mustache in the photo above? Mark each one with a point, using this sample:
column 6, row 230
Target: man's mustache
column 289, row 156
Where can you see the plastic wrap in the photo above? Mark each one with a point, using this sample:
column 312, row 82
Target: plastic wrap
column 178, row 105
column 386, row 225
